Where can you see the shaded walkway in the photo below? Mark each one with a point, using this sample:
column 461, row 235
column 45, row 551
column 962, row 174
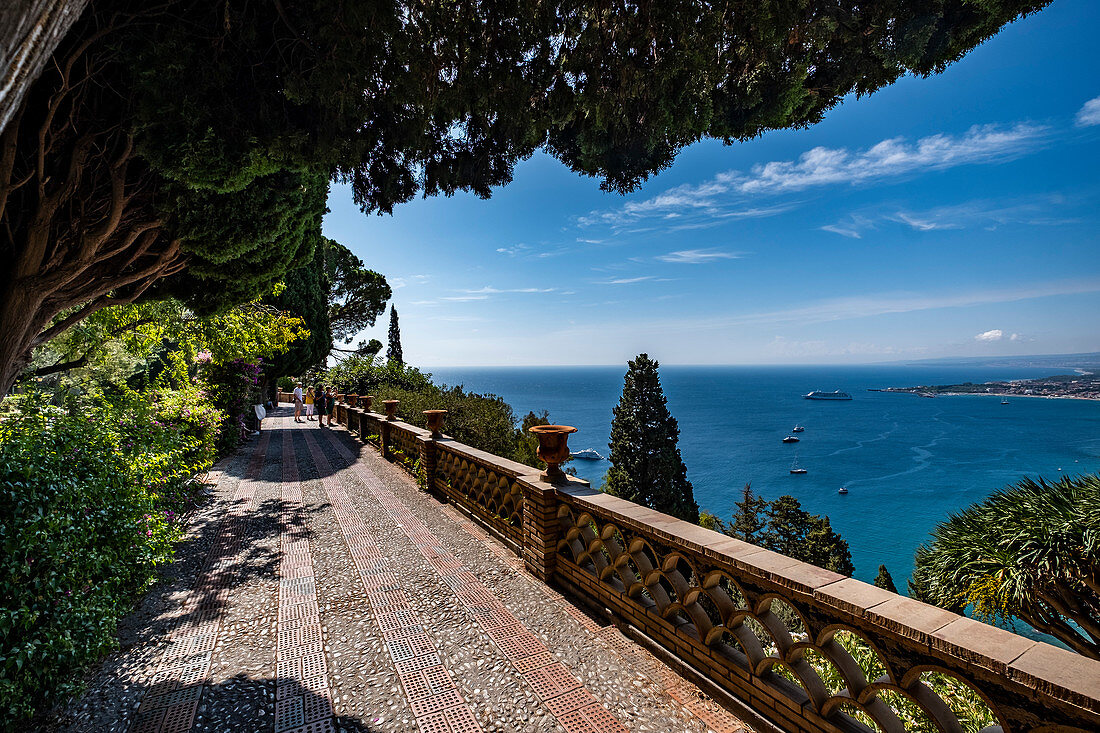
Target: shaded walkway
column 321, row 590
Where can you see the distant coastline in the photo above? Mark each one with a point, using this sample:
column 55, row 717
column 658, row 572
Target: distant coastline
column 1083, row 385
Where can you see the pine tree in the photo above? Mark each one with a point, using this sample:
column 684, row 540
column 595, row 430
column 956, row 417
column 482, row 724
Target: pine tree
column 810, row 538
column 393, row 353
column 646, row 466
column 884, row 580
column 747, row 522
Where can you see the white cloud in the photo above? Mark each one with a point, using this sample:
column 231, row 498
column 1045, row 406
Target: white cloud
column 396, row 282
column 697, row 256
column 725, row 196
column 995, row 334
column 1014, row 337
column 1089, row 114
column 464, row 298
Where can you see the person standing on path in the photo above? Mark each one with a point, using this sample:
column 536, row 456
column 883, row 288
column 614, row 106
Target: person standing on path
column 298, row 402
column 309, row 404
column 322, row 404
column 330, row 403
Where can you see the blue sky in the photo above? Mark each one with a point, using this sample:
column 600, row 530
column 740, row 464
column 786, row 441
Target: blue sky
column 949, row 216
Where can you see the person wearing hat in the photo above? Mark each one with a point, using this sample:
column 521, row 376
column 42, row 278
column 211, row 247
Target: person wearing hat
column 297, row 402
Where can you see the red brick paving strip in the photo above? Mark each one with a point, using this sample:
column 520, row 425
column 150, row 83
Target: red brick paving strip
column 575, row 709
column 303, row 702
column 176, row 687
column 432, row 694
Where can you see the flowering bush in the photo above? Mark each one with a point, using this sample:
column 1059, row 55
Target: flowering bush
column 90, row 504
column 233, row 386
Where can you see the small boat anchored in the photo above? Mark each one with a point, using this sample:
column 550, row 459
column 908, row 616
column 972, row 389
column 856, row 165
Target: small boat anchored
column 1004, row 401
column 790, row 439
column 798, row 429
column 587, row 454
column 842, row 490
column 795, row 468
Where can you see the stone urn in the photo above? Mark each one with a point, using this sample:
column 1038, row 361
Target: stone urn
column 353, row 400
column 391, row 408
column 435, row 422
column 553, row 449
column 366, row 401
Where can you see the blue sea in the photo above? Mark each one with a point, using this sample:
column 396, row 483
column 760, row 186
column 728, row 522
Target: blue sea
column 907, row 462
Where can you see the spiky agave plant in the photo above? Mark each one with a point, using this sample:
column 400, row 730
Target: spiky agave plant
column 1029, row 551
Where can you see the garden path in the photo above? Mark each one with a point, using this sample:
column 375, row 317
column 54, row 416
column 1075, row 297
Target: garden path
column 321, row 591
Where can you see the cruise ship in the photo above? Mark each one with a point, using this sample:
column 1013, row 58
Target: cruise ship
column 837, row 395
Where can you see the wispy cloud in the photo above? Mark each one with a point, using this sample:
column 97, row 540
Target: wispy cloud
column 1089, row 114
column 698, row 256
column 989, row 215
column 464, row 298
column 727, row 196
column 489, row 290
column 839, row 309
column 852, row 226
column 891, row 158
column 515, row 249
column 625, row 280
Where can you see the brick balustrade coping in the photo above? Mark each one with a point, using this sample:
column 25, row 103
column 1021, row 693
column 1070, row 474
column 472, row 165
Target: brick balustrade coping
column 674, row 582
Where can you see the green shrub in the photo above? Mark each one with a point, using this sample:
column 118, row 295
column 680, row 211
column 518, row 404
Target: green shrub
column 90, row 504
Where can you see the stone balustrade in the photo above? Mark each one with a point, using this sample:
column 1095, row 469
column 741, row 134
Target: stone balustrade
column 789, row 645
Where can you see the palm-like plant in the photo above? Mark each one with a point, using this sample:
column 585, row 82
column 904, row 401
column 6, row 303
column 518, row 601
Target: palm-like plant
column 1029, row 551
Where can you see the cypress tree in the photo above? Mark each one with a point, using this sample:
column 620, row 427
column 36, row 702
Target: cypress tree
column 884, row 580
column 393, row 353
column 646, row 466
column 748, row 524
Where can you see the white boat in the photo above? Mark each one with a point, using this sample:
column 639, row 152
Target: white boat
column 834, row 395
column 1004, row 402
column 795, row 468
column 790, row 439
column 842, row 490
column 587, row 454
column 798, row 429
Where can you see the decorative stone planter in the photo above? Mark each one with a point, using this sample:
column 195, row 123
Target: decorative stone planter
column 553, row 449
column 366, row 401
column 353, row 400
column 435, row 422
column 391, row 409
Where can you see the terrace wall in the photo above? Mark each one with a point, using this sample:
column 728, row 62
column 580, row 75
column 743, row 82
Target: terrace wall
column 753, row 625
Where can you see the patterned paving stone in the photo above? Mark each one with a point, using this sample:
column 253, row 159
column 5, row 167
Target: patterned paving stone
column 324, row 592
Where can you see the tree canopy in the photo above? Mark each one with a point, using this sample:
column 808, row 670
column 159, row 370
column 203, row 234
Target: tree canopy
column 646, row 466
column 185, row 147
column 356, row 295
column 1029, row 551
column 784, row 526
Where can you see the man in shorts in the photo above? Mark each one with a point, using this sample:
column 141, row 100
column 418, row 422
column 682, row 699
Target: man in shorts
column 298, row 402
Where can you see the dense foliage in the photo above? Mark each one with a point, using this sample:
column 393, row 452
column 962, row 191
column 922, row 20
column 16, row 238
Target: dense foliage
column 185, row 147
column 90, row 504
column 483, row 421
column 1029, row 551
column 646, row 466
column 784, row 526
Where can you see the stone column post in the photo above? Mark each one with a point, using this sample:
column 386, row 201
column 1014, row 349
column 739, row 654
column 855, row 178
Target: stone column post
column 541, row 528
column 384, row 439
column 429, row 460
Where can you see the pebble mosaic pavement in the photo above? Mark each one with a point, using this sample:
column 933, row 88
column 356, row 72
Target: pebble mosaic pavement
column 320, row 591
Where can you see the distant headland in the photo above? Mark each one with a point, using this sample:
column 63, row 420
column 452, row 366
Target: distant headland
column 1082, row 384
